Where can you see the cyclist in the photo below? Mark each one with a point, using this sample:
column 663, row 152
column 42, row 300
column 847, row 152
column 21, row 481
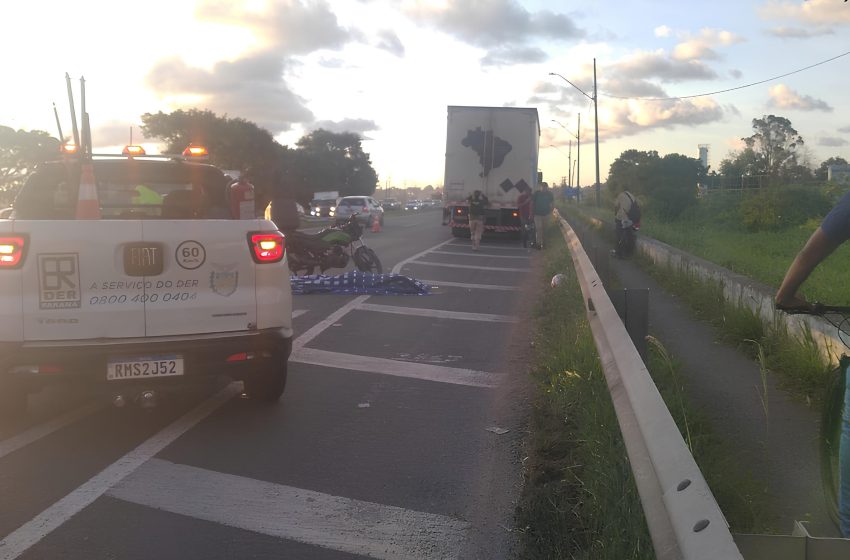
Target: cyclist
column 834, row 231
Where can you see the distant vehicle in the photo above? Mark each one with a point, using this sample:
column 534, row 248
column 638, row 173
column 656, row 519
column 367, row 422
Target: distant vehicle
column 413, row 205
column 494, row 150
column 391, row 204
column 323, row 208
column 145, row 282
column 365, row 208
column 5, row 213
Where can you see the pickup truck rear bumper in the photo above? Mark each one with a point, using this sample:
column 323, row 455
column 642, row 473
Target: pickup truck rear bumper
column 32, row 366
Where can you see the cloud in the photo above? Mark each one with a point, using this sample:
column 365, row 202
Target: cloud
column 662, row 31
column 799, row 32
column 505, row 56
column 292, row 26
column 783, row 97
column 357, row 126
column 627, row 118
column 819, row 12
column 701, row 46
column 735, row 73
column 657, row 64
column 832, row 142
column 844, row 129
column 498, row 25
column 251, row 88
column 389, row 41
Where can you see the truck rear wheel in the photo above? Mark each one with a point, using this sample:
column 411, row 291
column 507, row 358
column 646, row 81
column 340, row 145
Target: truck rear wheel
column 267, row 385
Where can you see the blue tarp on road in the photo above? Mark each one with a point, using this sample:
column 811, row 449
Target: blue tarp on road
column 356, row 282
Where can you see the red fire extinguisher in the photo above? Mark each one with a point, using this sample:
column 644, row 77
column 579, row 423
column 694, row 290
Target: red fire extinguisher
column 242, row 200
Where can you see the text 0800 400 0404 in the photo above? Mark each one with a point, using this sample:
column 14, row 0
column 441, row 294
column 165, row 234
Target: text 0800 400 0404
column 144, row 367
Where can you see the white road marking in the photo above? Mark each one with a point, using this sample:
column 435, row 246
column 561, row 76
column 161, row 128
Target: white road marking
column 436, row 313
column 35, row 433
column 428, row 263
column 486, row 247
column 22, row 538
column 439, row 283
column 397, row 268
column 299, row 312
column 397, row 368
column 479, row 254
column 327, row 322
column 305, row 516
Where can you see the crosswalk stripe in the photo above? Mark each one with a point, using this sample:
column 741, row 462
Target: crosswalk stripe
column 305, row 516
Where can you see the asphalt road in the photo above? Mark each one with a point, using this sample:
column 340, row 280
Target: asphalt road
column 389, row 442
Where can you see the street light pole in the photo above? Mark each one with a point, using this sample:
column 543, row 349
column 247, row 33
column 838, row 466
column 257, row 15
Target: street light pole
column 577, row 136
column 595, row 124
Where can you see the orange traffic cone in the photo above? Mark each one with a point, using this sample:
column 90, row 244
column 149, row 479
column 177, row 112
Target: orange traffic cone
column 88, row 206
column 376, row 225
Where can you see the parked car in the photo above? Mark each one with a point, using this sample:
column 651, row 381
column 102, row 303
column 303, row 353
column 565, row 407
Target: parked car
column 323, row 208
column 365, row 208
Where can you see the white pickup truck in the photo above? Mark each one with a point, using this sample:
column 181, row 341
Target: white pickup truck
column 162, row 290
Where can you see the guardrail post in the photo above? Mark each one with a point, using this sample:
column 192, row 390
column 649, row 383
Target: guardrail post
column 601, row 263
column 636, row 317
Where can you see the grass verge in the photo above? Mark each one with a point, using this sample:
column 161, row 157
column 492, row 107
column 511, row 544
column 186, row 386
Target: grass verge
column 579, row 500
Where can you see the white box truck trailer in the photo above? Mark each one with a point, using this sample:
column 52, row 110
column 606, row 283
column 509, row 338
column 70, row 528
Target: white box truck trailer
column 495, row 150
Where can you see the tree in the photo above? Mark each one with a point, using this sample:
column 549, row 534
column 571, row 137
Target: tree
column 776, row 145
column 233, row 143
column 335, row 161
column 822, row 172
column 20, row 152
column 669, row 183
column 634, row 171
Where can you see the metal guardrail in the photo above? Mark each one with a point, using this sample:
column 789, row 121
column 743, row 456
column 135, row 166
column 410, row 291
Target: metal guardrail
column 684, row 520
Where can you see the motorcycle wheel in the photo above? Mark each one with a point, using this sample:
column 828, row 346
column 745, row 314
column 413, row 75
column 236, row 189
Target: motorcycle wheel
column 367, row 261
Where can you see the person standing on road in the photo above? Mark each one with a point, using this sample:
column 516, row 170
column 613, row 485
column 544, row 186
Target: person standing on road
column 834, row 231
column 623, row 211
column 477, row 203
column 542, row 202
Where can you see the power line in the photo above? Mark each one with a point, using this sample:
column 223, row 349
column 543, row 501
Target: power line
column 729, row 89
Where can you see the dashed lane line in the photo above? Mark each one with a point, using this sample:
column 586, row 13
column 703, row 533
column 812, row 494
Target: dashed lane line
column 472, row 266
column 436, row 313
column 439, row 283
column 479, row 254
column 30, row 533
column 397, row 368
column 299, row 312
column 35, row 433
column 305, row 516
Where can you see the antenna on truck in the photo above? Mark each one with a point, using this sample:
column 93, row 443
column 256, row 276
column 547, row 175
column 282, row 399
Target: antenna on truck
column 87, row 147
column 73, row 112
column 58, row 124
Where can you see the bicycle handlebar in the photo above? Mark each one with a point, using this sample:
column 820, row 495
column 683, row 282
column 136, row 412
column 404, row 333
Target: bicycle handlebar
column 814, row 308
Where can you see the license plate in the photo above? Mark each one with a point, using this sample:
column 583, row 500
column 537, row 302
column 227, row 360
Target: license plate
column 145, row 367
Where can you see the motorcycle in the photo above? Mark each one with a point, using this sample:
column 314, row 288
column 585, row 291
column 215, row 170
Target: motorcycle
column 332, row 247
column 626, row 239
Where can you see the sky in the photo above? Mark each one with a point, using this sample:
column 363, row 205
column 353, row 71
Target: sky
column 387, row 70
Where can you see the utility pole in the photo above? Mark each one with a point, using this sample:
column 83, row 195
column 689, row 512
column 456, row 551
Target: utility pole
column 596, row 129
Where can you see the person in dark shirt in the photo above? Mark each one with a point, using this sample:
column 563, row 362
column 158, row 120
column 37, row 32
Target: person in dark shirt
column 542, row 202
column 477, row 203
column 833, row 231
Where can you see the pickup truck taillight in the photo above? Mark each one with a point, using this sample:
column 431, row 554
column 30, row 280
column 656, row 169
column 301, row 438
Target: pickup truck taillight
column 267, row 247
column 12, row 250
